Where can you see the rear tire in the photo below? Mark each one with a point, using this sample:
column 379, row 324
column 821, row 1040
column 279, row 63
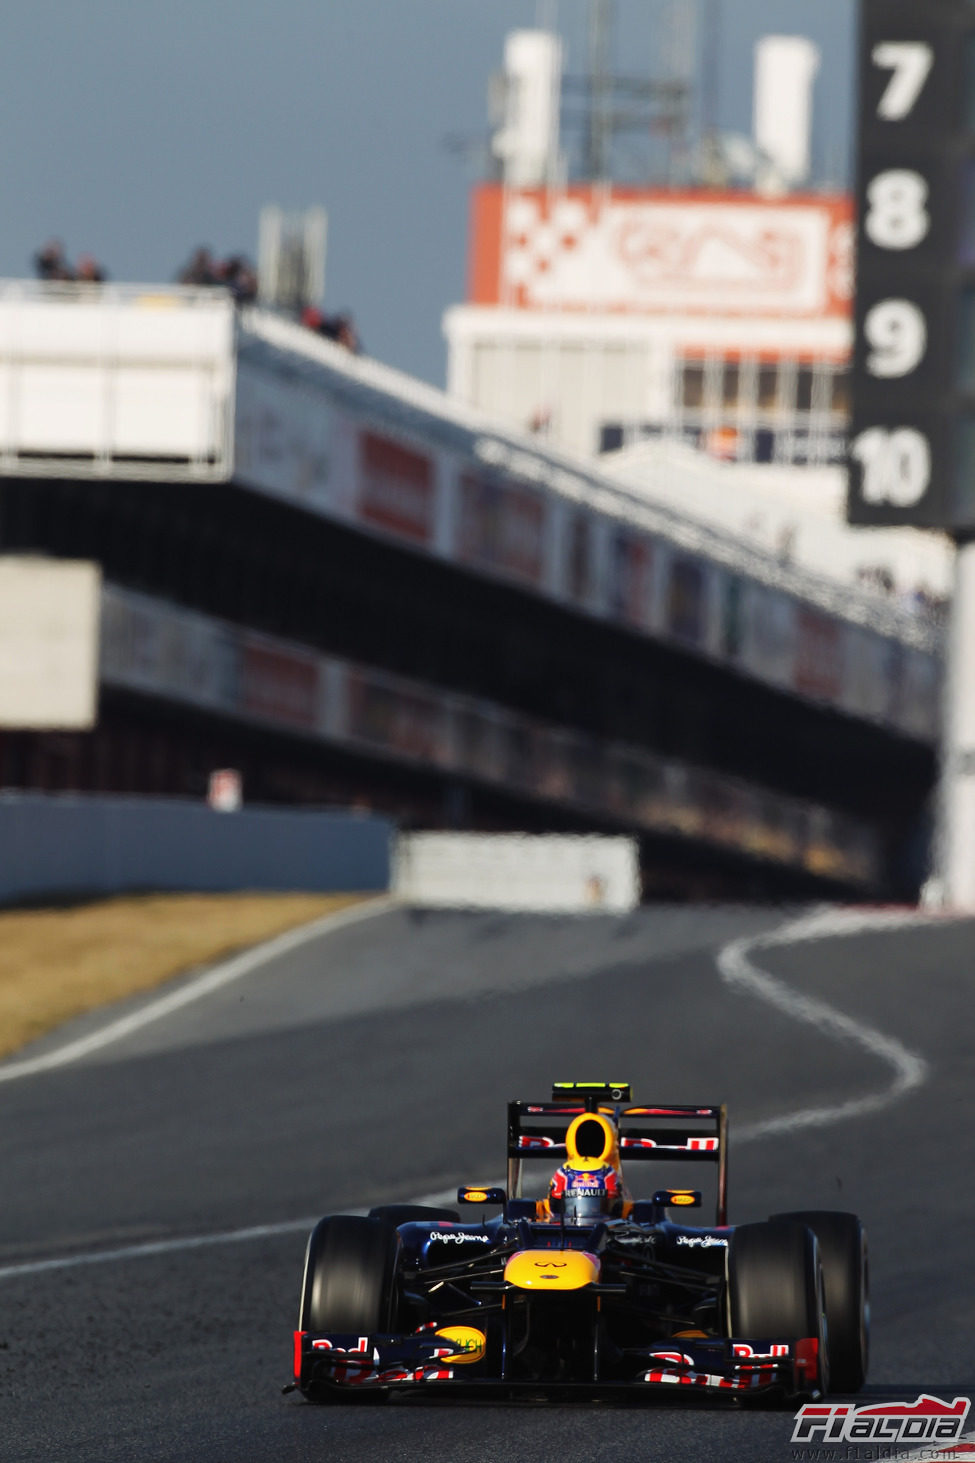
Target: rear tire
column 396, row 1214
column 776, row 1287
column 843, row 1251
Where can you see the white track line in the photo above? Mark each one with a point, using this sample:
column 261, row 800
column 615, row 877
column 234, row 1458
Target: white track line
column 157, row 1247
column 736, row 968
column 742, row 974
column 215, row 979
column 150, row 1248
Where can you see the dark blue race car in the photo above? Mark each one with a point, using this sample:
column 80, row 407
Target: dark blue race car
column 587, row 1289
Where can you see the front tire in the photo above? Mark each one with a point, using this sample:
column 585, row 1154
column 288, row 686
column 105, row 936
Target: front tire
column 843, row 1250
column 349, row 1278
column 776, row 1286
column 348, row 1286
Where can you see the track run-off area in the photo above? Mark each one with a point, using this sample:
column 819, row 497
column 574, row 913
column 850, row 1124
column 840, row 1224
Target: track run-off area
column 163, row 1161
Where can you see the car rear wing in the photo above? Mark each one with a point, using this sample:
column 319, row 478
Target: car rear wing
column 675, row 1133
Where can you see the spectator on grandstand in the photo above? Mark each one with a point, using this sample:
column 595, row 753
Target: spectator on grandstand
column 240, row 277
column 923, row 602
column 90, row 271
column 50, row 262
column 876, row 577
column 199, row 269
column 340, row 328
column 920, row 600
column 235, row 274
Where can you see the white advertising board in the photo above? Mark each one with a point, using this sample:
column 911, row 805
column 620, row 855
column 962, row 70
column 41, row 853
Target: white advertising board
column 283, row 436
column 583, row 875
column 872, row 674
column 49, row 614
column 768, row 646
column 670, row 254
column 153, row 647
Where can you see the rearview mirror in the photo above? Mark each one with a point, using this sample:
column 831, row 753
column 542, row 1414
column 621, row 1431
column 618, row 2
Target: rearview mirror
column 474, row 1194
column 678, row 1198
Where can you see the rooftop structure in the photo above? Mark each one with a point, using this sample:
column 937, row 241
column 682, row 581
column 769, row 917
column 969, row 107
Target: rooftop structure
column 601, row 311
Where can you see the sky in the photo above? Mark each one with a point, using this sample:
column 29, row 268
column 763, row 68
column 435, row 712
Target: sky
column 136, row 131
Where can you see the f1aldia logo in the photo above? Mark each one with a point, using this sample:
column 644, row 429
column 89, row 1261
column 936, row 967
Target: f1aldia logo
column 928, row 1420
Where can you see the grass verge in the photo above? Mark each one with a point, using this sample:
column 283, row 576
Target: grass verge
column 59, row 963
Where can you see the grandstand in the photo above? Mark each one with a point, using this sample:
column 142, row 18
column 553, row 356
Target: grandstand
column 354, row 588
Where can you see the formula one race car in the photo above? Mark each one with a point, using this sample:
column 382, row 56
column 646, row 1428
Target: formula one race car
column 587, row 1289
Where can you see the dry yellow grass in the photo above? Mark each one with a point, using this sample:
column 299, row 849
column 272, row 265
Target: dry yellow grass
column 58, row 963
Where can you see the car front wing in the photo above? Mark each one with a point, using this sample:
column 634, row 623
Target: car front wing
column 714, row 1367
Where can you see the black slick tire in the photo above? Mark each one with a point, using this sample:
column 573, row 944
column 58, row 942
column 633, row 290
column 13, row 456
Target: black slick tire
column 843, row 1251
column 350, row 1271
column 348, row 1286
column 776, row 1287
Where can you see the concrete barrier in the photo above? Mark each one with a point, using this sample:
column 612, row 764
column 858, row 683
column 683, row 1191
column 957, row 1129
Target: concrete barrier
column 68, row 845
column 553, row 872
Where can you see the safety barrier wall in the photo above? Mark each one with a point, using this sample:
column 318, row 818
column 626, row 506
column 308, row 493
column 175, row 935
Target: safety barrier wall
column 549, row 872
column 154, row 648
column 74, row 845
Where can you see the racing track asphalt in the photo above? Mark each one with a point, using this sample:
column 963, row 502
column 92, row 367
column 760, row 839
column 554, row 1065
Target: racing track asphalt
column 374, row 1062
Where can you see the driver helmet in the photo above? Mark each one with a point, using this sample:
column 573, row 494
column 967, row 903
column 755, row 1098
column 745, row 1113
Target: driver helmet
column 583, row 1195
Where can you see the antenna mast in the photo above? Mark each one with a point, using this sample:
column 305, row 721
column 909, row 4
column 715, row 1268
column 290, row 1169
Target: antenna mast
column 649, row 109
column 600, row 122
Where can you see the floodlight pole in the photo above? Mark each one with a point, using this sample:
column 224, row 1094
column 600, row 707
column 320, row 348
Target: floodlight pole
column 954, row 853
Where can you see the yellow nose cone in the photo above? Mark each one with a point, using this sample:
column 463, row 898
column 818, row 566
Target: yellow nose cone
column 551, row 1269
